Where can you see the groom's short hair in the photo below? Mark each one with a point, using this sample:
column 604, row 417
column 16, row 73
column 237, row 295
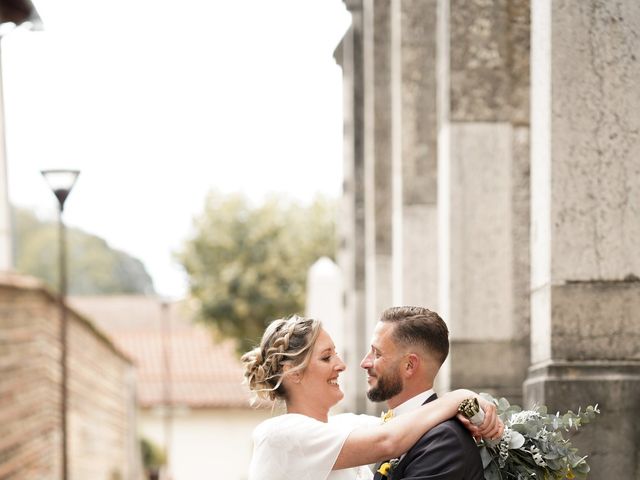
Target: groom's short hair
column 421, row 327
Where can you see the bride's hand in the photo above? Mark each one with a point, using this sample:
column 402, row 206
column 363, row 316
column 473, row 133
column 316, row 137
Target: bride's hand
column 491, row 428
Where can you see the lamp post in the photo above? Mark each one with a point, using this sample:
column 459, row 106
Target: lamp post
column 61, row 182
column 166, row 390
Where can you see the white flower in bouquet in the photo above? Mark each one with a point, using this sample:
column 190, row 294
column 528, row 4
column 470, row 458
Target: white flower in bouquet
column 532, row 446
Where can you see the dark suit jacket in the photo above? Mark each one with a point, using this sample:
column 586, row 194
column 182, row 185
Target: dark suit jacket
column 446, row 452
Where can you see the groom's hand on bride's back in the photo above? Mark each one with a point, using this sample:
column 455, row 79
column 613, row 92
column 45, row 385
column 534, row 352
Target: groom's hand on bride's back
column 491, row 428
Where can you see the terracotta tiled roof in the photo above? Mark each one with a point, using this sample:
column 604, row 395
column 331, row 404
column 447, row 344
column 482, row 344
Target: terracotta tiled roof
column 168, row 349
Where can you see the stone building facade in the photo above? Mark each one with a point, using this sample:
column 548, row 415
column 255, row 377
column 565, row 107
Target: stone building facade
column 102, row 437
column 492, row 173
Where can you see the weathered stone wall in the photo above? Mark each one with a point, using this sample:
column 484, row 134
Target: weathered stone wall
column 351, row 254
column 484, row 191
column 535, row 183
column 378, row 154
column 446, row 217
column 101, row 400
column 415, row 123
column 389, row 215
column 585, row 199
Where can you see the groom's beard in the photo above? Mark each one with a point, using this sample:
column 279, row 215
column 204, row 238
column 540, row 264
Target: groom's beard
column 387, row 386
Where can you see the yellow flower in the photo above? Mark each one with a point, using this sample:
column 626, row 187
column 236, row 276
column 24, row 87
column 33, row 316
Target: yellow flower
column 384, row 469
column 385, row 416
column 570, row 473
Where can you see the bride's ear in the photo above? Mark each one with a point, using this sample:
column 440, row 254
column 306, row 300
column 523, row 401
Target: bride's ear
column 292, row 376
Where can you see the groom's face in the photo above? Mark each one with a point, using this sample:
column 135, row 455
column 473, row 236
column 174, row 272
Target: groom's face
column 382, row 364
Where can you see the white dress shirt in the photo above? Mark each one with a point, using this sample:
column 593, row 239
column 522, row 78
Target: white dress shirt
column 413, row 402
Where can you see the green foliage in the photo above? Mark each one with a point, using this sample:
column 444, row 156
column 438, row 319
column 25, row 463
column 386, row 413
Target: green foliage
column 533, row 444
column 93, row 266
column 153, row 456
column 248, row 264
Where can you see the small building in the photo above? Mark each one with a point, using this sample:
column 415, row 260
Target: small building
column 100, row 396
column 191, row 400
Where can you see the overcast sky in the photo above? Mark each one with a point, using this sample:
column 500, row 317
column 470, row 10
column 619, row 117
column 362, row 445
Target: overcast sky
column 158, row 102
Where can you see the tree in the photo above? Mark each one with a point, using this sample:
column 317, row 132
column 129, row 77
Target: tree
column 247, row 265
column 94, row 267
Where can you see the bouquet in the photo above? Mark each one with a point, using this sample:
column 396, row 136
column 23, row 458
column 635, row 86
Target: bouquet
column 533, row 445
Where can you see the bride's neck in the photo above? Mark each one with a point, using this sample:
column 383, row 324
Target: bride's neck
column 307, row 408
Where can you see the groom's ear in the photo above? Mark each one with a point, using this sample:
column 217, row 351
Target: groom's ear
column 412, row 364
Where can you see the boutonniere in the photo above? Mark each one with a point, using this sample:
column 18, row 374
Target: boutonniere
column 386, row 469
column 386, row 416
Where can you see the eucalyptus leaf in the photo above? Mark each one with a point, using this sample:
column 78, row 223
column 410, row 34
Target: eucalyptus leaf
column 492, row 472
column 503, row 404
column 485, row 456
column 582, row 468
column 519, row 427
column 516, row 440
column 534, row 446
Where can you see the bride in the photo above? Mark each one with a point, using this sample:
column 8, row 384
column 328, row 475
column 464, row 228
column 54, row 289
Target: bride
column 297, row 362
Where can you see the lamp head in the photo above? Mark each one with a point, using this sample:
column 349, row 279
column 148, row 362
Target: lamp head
column 61, row 182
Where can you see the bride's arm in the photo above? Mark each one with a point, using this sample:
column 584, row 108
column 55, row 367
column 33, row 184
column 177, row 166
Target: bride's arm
column 368, row 445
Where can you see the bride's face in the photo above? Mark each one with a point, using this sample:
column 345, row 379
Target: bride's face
column 319, row 382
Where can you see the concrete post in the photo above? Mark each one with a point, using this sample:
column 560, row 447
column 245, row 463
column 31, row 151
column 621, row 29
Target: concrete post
column 585, row 201
column 483, row 200
column 414, row 153
column 378, row 176
column 351, row 257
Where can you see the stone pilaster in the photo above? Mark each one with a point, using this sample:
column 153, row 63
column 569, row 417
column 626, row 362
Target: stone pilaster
column 585, row 197
column 414, row 152
column 484, row 196
column 378, row 179
column 351, row 257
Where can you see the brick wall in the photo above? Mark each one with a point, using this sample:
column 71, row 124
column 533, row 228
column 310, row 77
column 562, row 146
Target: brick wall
column 101, row 399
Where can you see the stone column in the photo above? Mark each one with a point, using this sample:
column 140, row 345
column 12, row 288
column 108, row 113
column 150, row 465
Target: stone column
column 351, row 255
column 483, row 191
column 585, row 198
column 324, row 298
column 414, row 152
column 378, row 180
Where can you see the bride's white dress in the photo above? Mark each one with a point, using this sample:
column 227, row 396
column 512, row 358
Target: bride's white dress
column 297, row 447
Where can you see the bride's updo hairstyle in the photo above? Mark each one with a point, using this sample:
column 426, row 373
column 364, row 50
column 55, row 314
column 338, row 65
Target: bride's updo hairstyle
column 285, row 342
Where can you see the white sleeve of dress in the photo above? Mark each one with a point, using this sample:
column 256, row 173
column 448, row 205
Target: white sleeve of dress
column 296, row 447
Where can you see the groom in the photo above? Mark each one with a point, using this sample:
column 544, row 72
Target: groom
column 408, row 348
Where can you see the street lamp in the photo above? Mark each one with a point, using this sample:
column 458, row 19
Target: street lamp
column 61, row 182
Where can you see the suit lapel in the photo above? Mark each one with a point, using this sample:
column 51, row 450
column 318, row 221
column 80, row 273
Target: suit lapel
column 431, row 398
column 401, row 465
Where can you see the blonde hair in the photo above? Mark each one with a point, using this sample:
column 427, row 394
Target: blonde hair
column 285, row 342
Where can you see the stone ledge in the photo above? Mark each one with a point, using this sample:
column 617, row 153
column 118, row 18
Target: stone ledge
column 595, row 370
